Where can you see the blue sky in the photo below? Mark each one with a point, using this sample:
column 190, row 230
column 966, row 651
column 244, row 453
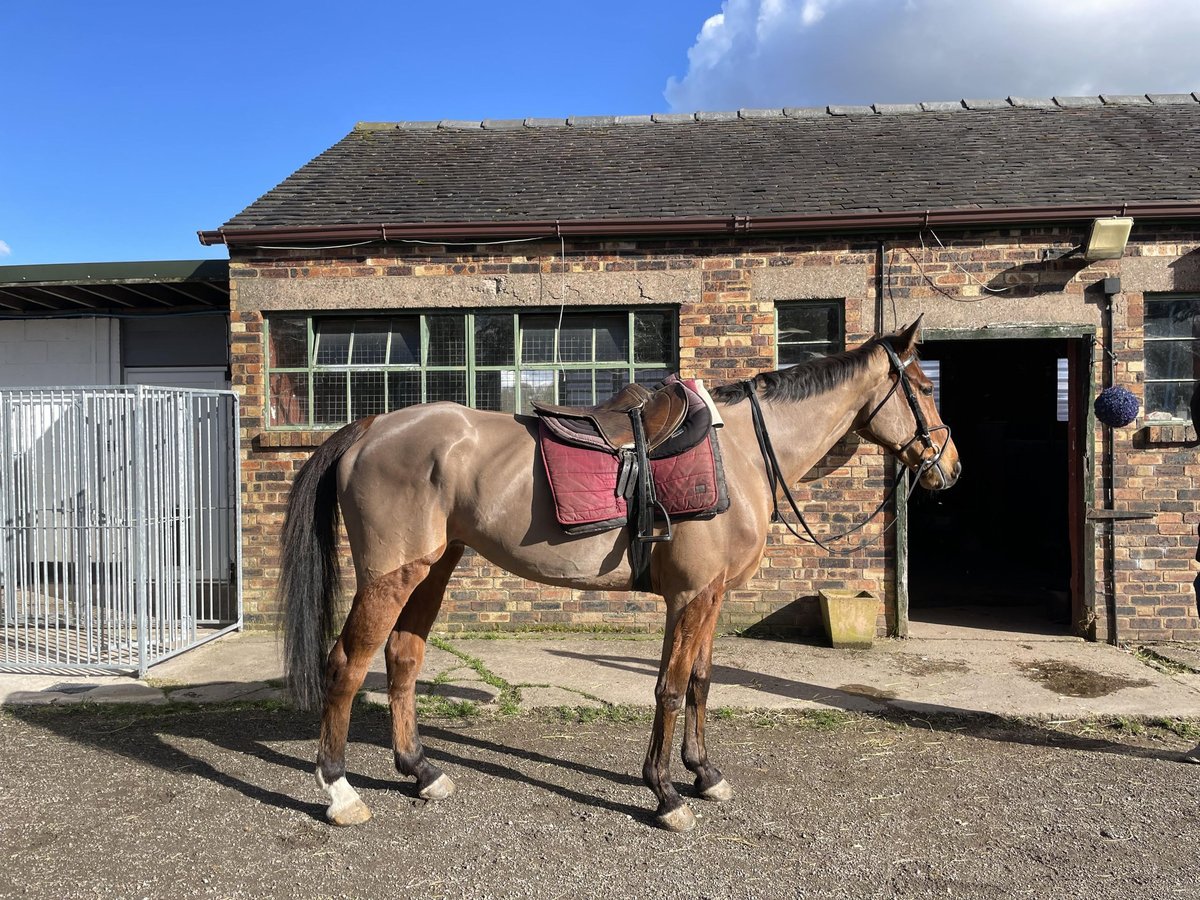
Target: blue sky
column 129, row 125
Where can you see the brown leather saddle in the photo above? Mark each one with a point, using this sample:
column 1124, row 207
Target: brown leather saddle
column 610, row 426
column 636, row 425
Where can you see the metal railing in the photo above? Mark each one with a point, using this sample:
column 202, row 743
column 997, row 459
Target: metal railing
column 120, row 526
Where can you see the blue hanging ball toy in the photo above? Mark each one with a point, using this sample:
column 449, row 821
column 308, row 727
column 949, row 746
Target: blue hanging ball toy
column 1116, row 407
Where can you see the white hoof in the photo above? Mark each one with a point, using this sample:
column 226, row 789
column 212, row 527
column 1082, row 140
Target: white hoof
column 438, row 790
column 679, row 820
column 1192, row 756
column 345, row 806
column 721, row 792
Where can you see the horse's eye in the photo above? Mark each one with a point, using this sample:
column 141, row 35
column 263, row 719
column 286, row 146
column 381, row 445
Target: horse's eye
column 927, row 390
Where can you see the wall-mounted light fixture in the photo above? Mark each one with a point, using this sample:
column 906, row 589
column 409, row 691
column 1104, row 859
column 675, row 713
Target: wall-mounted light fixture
column 1108, row 238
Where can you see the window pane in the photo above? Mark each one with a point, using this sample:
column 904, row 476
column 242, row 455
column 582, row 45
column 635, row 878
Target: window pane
column 792, row 354
column 447, row 340
column 612, row 338
column 329, row 398
column 366, row 394
column 289, row 340
column 537, row 338
column 370, row 343
column 333, row 341
column 450, row 386
column 406, row 342
column 496, row 391
column 404, row 389
column 1170, row 359
column 494, row 340
column 575, row 338
column 289, row 398
column 651, row 378
column 1173, row 318
column 575, row 388
column 609, row 381
column 652, row 337
column 537, row 386
column 809, row 322
column 1172, row 398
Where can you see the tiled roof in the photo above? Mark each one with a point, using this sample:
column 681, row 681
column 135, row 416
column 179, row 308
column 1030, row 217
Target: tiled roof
column 828, row 160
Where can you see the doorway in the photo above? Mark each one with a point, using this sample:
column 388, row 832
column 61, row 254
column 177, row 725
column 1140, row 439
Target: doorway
column 1001, row 551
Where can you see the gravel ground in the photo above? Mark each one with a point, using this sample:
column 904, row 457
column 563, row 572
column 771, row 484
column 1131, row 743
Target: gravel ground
column 219, row 801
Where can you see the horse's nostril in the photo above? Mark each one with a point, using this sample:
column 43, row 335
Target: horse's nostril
column 957, row 469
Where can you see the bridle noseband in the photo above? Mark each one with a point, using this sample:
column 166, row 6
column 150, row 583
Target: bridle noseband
column 924, row 433
column 778, row 484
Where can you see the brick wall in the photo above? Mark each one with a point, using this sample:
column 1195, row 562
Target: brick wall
column 726, row 332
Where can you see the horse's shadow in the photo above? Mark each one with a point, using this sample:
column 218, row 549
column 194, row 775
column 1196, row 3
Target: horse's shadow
column 151, row 737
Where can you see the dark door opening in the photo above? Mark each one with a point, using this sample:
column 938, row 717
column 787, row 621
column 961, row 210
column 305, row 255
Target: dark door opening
column 996, row 551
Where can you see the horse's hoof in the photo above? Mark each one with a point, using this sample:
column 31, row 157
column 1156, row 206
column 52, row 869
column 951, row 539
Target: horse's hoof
column 721, row 792
column 353, row 813
column 1192, row 756
column 678, row 820
column 439, row 789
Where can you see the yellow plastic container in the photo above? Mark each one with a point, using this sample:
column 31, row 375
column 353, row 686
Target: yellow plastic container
column 849, row 618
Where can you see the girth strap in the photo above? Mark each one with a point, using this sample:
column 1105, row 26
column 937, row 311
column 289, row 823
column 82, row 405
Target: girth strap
column 635, row 469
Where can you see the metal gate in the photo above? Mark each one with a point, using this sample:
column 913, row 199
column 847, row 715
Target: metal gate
column 120, row 526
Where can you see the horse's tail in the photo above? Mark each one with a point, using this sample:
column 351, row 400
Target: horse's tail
column 309, row 568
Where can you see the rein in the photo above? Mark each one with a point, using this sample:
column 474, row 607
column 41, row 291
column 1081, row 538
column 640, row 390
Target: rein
column 777, row 483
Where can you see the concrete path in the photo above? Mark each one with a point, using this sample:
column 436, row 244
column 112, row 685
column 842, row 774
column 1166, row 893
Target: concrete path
column 1057, row 679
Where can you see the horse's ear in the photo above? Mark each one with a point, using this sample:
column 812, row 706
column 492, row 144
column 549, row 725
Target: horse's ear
column 907, row 338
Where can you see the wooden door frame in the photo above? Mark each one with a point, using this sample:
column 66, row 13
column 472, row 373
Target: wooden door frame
column 1082, row 441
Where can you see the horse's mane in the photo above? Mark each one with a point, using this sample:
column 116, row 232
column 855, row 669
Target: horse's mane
column 804, row 380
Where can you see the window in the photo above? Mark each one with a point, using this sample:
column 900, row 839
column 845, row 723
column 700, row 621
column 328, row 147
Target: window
column 1172, row 369
column 329, row 370
column 807, row 329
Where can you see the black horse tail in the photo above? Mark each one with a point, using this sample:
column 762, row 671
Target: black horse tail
column 309, row 567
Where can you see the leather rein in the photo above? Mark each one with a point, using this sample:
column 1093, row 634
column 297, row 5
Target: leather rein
column 778, row 483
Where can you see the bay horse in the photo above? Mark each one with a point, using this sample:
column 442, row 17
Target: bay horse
column 418, row 485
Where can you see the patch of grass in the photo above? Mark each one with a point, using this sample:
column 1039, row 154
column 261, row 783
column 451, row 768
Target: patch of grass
column 1126, row 725
column 721, row 713
column 1180, row 727
column 435, row 707
column 612, row 714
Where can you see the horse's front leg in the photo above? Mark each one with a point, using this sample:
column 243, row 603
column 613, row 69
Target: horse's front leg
column 710, row 783
column 405, row 655
column 686, row 631
column 372, row 615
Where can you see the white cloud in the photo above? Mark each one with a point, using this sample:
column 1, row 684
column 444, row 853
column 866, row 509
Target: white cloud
column 5, row 250
column 772, row 53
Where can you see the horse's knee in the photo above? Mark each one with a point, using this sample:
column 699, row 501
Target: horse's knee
column 668, row 699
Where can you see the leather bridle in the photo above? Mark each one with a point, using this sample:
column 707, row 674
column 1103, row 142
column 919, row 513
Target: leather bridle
column 777, row 483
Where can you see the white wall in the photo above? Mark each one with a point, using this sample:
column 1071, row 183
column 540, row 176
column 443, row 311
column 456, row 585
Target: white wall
column 59, row 352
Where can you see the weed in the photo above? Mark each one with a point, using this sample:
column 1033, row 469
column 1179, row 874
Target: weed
column 1159, row 662
column 1126, row 725
column 1180, row 727
column 721, row 713
column 509, row 700
column 435, row 707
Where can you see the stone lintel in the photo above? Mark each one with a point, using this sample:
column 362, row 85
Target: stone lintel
column 467, row 291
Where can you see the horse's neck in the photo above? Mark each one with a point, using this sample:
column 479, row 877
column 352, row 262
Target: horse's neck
column 804, row 431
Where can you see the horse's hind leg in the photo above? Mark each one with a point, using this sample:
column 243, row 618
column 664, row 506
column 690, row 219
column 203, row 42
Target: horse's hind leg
column 405, row 654
column 710, row 783
column 686, row 631
column 374, row 612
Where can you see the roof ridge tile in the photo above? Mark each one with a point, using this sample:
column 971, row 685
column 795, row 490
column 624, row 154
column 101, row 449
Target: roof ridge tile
column 793, row 112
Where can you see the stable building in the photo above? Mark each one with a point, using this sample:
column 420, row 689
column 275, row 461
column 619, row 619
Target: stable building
column 493, row 263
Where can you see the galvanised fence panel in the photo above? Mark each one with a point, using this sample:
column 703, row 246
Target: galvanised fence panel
column 119, row 526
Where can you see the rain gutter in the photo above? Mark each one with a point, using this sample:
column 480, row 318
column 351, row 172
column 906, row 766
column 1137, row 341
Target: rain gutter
column 693, row 226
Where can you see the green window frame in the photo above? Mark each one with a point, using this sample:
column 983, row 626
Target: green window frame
column 806, row 329
column 1172, row 355
column 326, row 370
